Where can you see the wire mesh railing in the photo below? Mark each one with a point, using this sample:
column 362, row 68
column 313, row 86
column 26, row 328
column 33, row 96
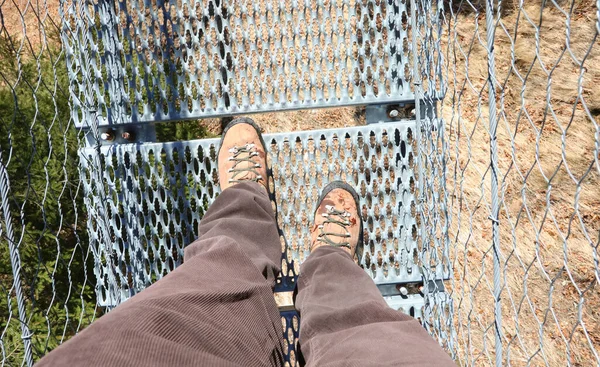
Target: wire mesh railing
column 505, row 142
column 45, row 293
column 523, row 146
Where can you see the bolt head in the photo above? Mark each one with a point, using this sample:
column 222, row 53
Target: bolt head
column 106, row 136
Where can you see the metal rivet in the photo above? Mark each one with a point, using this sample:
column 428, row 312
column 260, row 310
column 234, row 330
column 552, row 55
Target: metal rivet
column 107, row 135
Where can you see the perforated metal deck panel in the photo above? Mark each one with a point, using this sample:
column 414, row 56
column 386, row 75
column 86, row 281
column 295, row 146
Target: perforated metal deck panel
column 140, row 61
column 145, row 202
column 290, row 323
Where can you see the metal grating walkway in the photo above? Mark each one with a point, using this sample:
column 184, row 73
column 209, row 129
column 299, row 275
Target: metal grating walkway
column 140, row 61
column 135, row 63
column 146, row 201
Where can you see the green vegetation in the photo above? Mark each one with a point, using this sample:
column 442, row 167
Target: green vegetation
column 180, row 130
column 39, row 150
column 38, row 147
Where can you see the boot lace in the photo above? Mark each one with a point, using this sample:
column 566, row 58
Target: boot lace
column 243, row 154
column 338, row 218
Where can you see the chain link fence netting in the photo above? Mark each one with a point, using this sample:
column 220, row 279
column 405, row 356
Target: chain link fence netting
column 506, row 149
column 46, row 293
column 432, row 213
column 521, row 113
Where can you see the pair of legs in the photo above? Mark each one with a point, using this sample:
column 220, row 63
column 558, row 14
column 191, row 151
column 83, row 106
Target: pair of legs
column 217, row 308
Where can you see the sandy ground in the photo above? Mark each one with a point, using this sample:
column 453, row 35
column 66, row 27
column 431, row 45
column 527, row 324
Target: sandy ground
column 299, row 120
column 548, row 104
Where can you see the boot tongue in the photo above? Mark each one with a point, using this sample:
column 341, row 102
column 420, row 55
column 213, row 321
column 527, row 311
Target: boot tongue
column 249, row 174
column 338, row 229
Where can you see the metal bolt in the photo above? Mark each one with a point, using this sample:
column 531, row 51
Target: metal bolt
column 127, row 136
column 107, row 135
column 393, row 113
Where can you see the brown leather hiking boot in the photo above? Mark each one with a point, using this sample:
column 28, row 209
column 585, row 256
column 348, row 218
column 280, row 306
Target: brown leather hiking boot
column 242, row 154
column 337, row 220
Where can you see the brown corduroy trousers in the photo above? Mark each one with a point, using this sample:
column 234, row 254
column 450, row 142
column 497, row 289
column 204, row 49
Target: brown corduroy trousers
column 217, row 309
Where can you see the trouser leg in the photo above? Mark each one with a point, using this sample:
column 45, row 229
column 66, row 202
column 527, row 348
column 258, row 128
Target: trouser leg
column 216, row 309
column 344, row 320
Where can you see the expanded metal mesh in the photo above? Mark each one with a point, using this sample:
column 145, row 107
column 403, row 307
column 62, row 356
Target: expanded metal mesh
column 290, row 323
column 146, row 203
column 133, row 61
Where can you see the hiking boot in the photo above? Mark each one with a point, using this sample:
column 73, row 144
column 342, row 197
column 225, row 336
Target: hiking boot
column 242, row 155
column 337, row 220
